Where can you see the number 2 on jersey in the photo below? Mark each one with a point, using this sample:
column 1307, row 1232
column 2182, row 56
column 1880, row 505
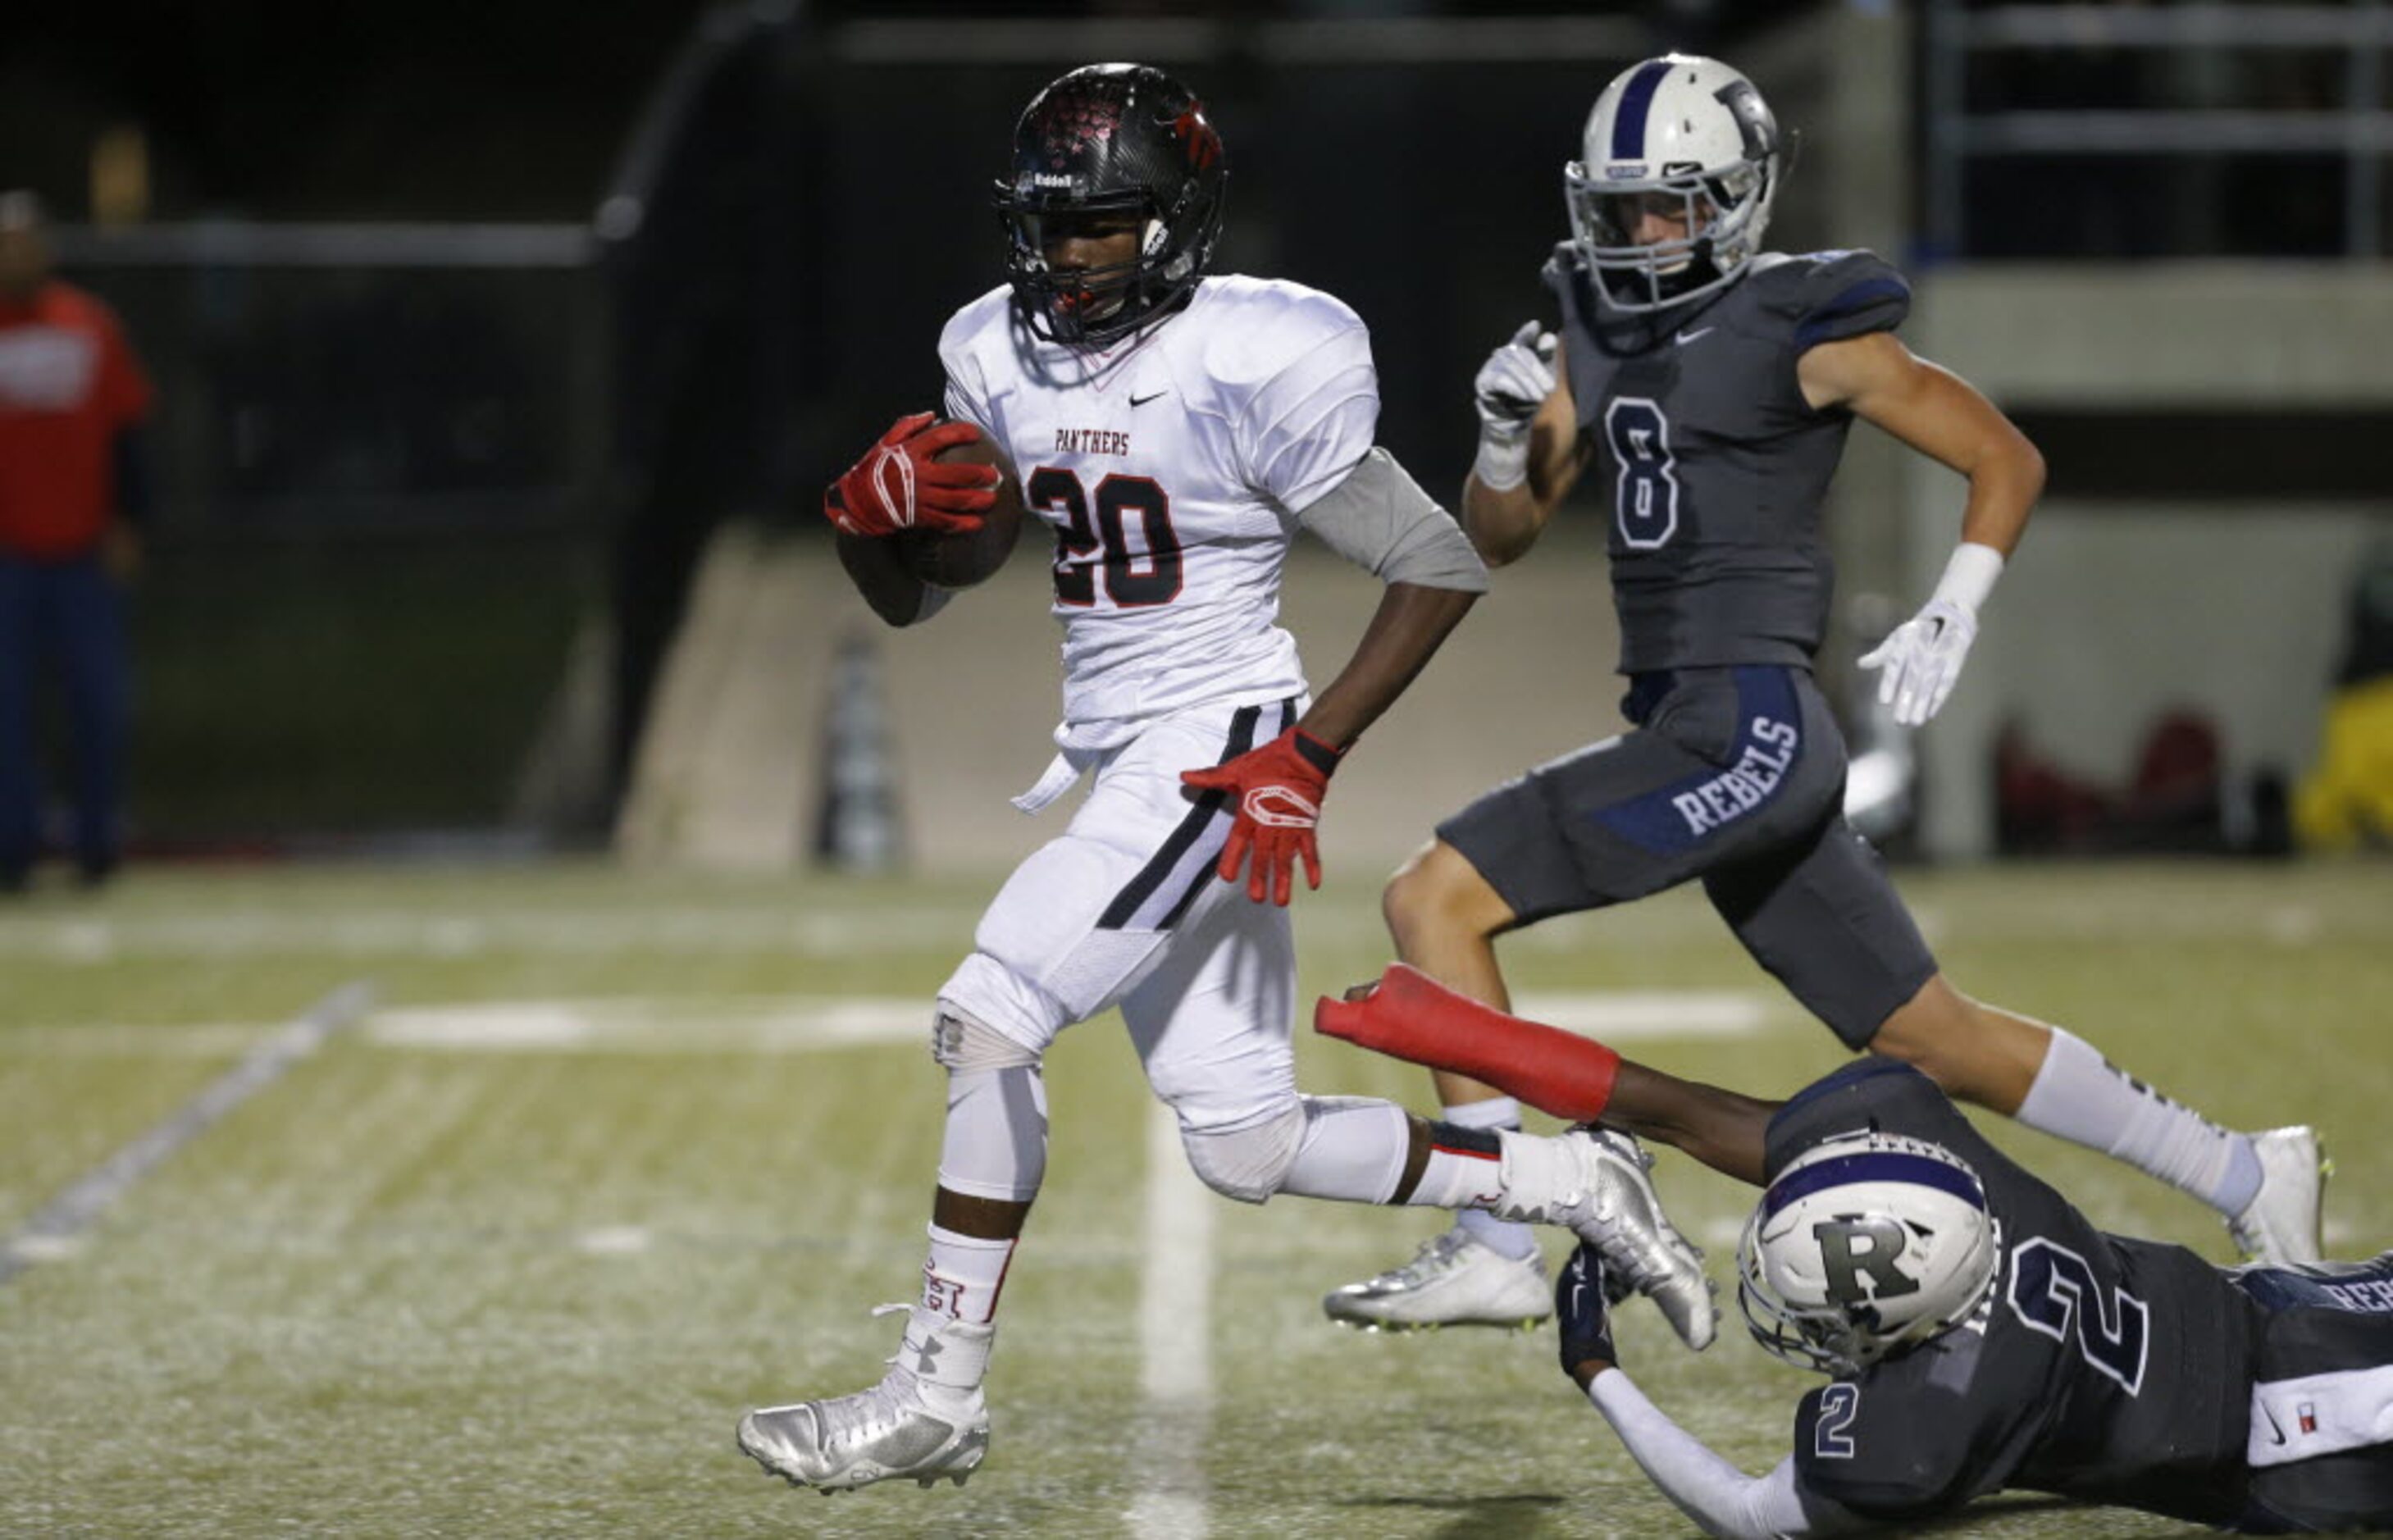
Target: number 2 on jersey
column 1645, row 504
column 1136, row 576
column 2053, row 1291
column 1838, row 1405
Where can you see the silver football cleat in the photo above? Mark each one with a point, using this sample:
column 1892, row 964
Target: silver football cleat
column 1456, row 1280
column 1614, row 1207
column 2280, row 1226
column 925, row 1420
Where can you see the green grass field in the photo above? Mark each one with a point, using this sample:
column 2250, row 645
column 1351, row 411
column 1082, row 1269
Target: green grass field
column 516, row 1271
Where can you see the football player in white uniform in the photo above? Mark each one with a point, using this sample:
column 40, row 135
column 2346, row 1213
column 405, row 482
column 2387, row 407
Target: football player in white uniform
column 1176, row 430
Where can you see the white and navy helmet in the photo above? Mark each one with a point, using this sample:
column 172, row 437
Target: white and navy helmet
column 1867, row 1244
column 1686, row 138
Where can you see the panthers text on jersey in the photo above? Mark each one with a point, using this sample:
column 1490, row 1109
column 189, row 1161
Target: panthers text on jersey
column 1711, row 462
column 2106, row 1369
column 1169, row 467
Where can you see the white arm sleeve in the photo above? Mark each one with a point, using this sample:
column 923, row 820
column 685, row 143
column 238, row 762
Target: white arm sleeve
column 1724, row 1500
column 1309, row 426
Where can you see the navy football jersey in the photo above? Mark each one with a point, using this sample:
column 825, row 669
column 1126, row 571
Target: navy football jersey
column 2111, row 1370
column 1713, row 464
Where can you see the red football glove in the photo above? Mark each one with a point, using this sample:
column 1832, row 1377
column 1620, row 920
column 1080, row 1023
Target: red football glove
column 898, row 484
column 1279, row 788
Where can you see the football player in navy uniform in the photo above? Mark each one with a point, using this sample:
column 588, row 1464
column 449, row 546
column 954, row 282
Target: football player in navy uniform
column 1979, row 1334
column 1706, row 386
column 1175, row 429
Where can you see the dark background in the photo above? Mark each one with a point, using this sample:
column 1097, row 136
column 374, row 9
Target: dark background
column 402, row 493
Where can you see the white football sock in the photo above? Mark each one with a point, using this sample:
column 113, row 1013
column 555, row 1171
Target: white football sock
column 1458, row 1178
column 964, row 1274
column 2080, row 1096
column 1502, row 1236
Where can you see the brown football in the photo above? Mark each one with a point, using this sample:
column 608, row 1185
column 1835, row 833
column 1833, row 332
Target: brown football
column 960, row 560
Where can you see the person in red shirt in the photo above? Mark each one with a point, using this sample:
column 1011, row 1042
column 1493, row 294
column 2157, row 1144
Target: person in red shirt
column 73, row 490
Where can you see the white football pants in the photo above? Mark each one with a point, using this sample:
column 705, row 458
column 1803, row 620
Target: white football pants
column 1091, row 918
column 1124, row 909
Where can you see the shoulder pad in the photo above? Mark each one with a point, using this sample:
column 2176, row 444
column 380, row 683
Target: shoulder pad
column 990, row 315
column 1257, row 327
column 1830, row 295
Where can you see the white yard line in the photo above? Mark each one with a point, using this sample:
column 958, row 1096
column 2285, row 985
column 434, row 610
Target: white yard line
column 1175, row 1341
column 57, row 1227
column 792, row 1023
column 695, row 1025
column 798, row 1024
column 1620, row 1015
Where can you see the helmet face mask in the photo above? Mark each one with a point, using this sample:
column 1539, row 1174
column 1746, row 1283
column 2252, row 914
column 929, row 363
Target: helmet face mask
column 1110, row 149
column 1688, row 138
column 1868, row 1246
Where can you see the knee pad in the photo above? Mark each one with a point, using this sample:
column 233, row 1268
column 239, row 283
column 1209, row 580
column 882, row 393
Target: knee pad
column 1000, row 998
column 963, row 1042
column 1249, row 1163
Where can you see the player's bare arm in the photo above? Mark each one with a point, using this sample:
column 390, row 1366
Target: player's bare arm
column 1943, row 416
column 1940, row 415
column 1379, row 518
column 1407, row 1014
column 1503, row 522
column 1410, row 624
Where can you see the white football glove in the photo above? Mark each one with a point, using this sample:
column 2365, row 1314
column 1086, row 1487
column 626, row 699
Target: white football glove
column 1922, row 657
column 1512, row 384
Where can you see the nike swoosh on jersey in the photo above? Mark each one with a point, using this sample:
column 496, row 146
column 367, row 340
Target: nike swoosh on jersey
column 1686, row 337
column 1142, row 401
column 2276, row 1433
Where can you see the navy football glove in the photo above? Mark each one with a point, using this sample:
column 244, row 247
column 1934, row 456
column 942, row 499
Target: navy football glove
column 1582, row 1301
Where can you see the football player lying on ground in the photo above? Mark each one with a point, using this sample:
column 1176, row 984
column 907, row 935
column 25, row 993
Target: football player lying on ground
column 1979, row 1332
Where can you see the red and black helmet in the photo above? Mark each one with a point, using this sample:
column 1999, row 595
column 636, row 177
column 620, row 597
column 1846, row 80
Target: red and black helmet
column 1112, row 139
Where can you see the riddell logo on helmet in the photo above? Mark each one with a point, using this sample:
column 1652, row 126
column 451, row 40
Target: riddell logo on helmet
column 1043, row 179
column 1627, row 171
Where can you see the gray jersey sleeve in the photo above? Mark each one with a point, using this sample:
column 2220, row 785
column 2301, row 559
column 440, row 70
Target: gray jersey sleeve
column 1380, row 520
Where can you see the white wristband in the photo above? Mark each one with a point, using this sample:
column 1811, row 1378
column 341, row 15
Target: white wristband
column 1504, row 465
column 1970, row 576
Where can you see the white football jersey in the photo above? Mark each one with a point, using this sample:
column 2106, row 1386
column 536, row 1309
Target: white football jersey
column 1169, row 468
